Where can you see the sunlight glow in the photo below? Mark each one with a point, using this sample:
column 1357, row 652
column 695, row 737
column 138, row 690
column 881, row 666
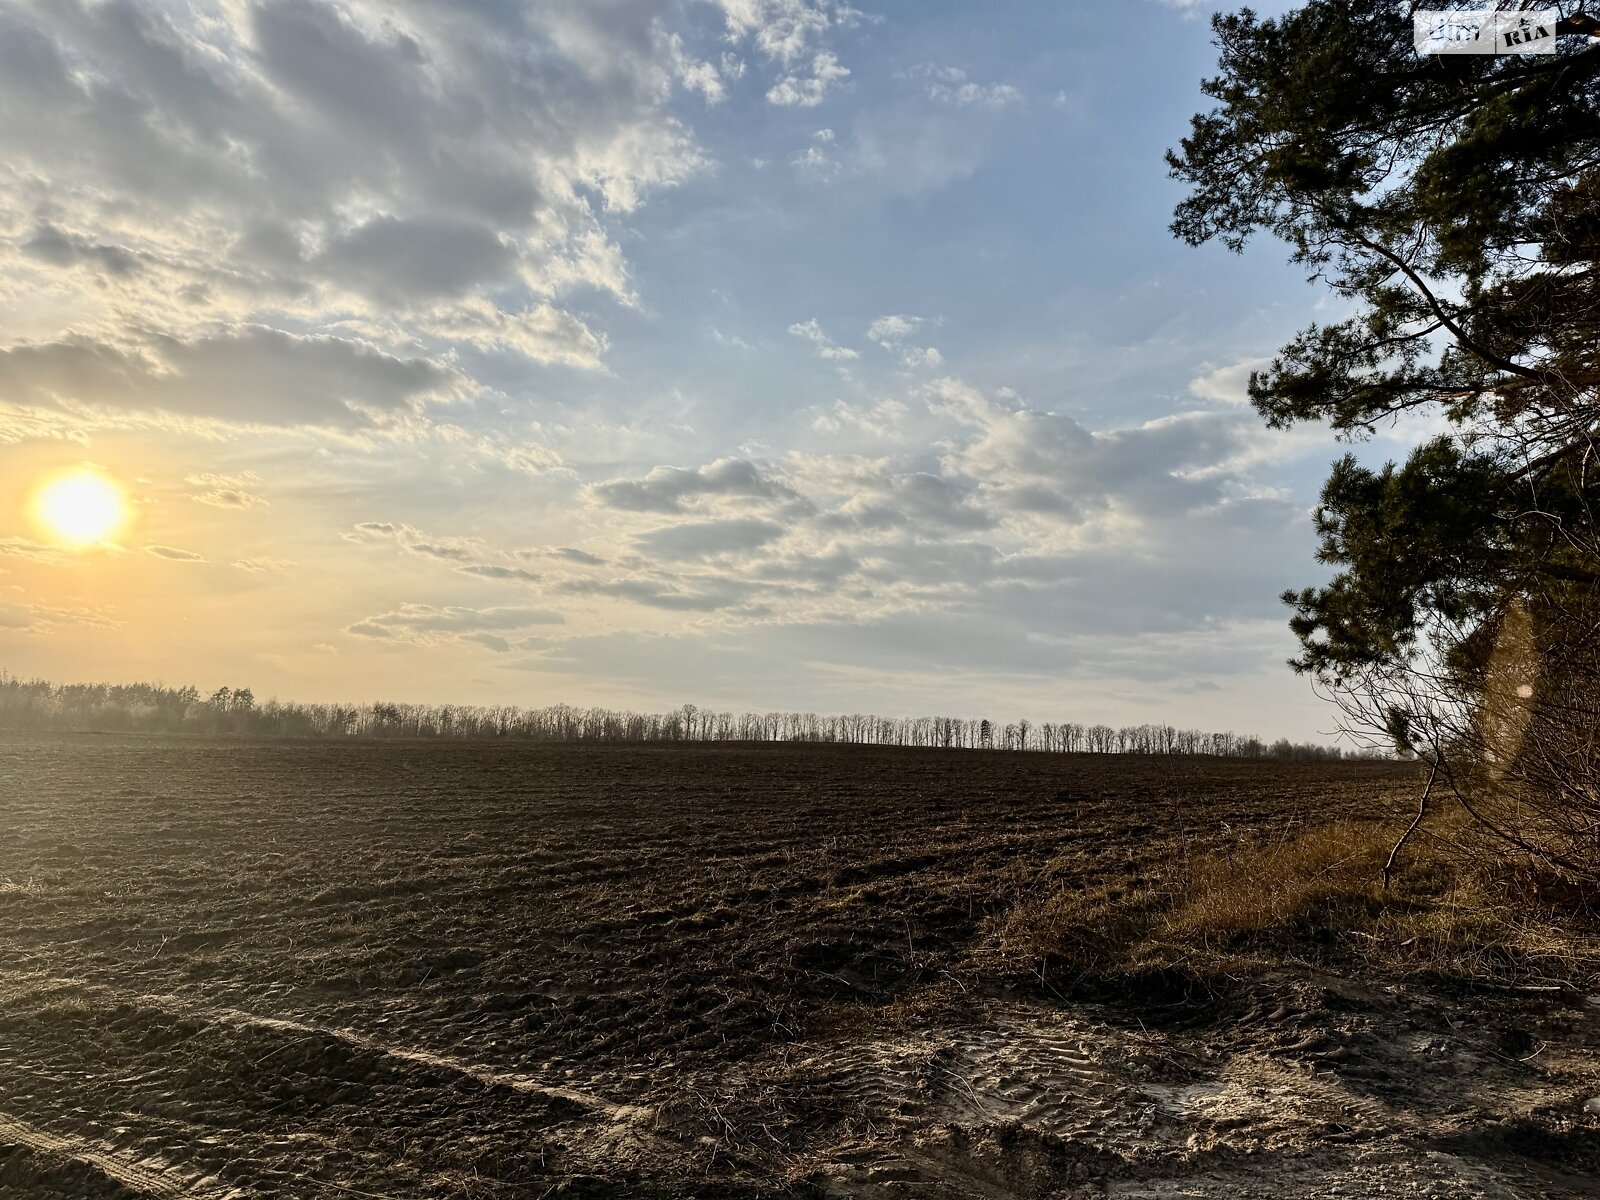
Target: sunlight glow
column 80, row 508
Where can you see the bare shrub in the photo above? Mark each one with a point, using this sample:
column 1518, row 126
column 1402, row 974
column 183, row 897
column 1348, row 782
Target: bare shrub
column 1507, row 716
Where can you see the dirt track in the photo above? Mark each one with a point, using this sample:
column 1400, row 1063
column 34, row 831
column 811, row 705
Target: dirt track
column 267, row 969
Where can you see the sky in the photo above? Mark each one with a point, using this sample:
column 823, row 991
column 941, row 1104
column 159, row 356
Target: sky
column 760, row 354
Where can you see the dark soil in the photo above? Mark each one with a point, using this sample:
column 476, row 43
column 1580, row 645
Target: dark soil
column 440, row 969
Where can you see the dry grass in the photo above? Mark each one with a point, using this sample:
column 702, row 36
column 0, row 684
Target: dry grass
column 1325, row 877
column 1457, row 909
column 1507, row 920
column 1083, row 929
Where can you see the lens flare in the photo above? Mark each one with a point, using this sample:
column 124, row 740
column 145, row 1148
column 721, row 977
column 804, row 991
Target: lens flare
column 80, row 508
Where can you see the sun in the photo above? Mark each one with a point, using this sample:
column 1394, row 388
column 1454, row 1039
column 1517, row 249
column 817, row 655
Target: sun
column 80, row 508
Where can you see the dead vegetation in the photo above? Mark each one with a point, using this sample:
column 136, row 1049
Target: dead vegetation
column 1459, row 907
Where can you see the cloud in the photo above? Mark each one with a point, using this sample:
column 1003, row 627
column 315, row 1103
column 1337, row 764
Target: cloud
column 497, row 571
column 395, row 261
column 886, row 499
column 228, row 498
column 950, row 85
column 415, row 541
column 815, row 162
column 891, row 333
column 428, row 618
column 905, row 150
column 292, row 213
column 823, row 570
column 528, row 458
column 542, row 333
column 722, row 594
column 426, row 624
column 429, row 549
column 172, row 554
column 569, row 554
column 251, row 375
column 1024, row 516
column 23, row 548
column 882, row 419
column 999, row 507
column 697, row 75
column 263, row 564
column 672, row 489
column 572, row 554
column 823, row 345
column 466, row 555
column 1228, row 384
column 708, row 539
column 20, row 617
column 808, row 91
column 1046, row 463
column 61, row 249
column 226, row 491
column 340, row 101
column 781, row 29
column 893, row 329
column 1072, row 104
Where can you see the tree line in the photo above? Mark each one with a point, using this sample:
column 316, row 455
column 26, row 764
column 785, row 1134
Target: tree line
column 38, row 704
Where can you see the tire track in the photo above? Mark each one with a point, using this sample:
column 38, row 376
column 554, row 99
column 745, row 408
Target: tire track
column 520, row 1081
column 621, row 1114
column 119, row 1168
column 608, row 1132
column 629, row 1127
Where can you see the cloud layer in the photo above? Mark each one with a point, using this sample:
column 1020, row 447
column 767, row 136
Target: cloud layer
column 620, row 349
column 289, row 211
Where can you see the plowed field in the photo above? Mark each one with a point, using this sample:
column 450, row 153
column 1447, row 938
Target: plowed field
column 252, row 968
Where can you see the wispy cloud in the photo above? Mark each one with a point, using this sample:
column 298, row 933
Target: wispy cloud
column 226, row 491
column 809, row 90
column 263, row 564
column 891, row 333
column 950, row 85
column 824, row 346
column 427, row 624
column 173, row 554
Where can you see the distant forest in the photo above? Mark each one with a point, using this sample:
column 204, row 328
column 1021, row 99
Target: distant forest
column 37, row 704
column 154, row 708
